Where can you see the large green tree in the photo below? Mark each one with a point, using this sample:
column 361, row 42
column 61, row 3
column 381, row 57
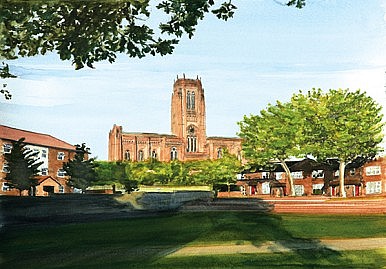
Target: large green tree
column 23, row 165
column 340, row 124
column 273, row 135
column 81, row 169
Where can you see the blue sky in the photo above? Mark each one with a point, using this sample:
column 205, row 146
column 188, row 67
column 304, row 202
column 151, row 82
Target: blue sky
column 265, row 53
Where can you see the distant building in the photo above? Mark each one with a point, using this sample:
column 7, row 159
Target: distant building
column 52, row 151
column 187, row 141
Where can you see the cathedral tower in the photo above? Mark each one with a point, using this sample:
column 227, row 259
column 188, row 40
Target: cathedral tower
column 188, row 115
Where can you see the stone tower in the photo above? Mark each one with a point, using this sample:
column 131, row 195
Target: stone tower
column 188, row 115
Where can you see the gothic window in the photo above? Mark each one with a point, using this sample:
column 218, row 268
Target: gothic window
column 191, row 140
column 219, row 153
column 192, row 101
column 173, row 154
column 140, row 155
column 239, row 155
column 188, row 104
column 127, row 155
column 154, row 154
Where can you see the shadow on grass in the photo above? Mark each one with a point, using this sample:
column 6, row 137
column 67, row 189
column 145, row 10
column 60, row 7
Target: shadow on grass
column 146, row 242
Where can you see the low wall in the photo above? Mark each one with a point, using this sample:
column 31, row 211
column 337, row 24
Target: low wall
column 171, row 200
column 80, row 207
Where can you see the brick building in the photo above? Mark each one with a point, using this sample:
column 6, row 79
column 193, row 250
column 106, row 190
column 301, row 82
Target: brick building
column 312, row 178
column 53, row 152
column 187, row 141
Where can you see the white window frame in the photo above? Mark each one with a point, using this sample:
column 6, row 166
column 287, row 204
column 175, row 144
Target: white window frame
column 265, row 188
column 373, row 187
column 297, row 175
column 44, row 153
column 7, row 148
column 44, row 171
column 317, row 174
column 264, row 174
column 279, row 175
column 61, row 155
column 299, row 190
column 373, row 170
column 5, row 168
column 61, row 173
column 5, row 186
column 61, row 189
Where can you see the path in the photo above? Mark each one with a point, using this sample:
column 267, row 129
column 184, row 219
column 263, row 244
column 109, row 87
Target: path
column 283, row 246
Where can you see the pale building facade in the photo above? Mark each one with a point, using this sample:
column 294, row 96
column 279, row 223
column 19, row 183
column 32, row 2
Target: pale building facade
column 187, row 141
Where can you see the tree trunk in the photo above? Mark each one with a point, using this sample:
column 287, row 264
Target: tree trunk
column 342, row 166
column 290, row 179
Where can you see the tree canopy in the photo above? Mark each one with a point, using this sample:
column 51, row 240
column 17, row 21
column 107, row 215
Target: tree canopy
column 86, row 32
column 81, row 169
column 274, row 135
column 339, row 124
column 23, row 165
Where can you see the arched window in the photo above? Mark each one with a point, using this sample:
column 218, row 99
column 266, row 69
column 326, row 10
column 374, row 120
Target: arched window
column 219, row 153
column 154, row 154
column 127, row 155
column 192, row 101
column 239, row 157
column 140, row 155
column 191, row 140
column 188, row 104
column 173, row 154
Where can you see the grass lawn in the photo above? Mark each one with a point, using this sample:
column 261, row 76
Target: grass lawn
column 146, row 242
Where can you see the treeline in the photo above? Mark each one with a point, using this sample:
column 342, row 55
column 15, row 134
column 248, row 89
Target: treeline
column 154, row 172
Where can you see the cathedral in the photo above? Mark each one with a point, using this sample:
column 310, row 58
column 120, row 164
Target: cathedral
column 187, row 141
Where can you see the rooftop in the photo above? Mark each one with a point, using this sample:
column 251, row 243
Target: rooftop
column 32, row 138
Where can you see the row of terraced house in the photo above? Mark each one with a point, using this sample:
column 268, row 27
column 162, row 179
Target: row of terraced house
column 313, row 178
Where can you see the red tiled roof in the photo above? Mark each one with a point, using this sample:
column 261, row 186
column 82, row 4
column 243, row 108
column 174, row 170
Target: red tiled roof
column 9, row 133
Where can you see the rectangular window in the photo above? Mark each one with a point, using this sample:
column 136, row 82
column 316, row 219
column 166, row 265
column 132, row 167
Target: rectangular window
column 44, row 171
column 44, row 153
column 373, row 187
column 61, row 189
column 5, row 187
column 61, row 156
column 297, row 175
column 318, row 174
column 373, row 170
column 264, row 174
column 7, row 148
column 61, row 173
column 5, row 168
column 299, row 190
column 317, row 188
column 279, row 175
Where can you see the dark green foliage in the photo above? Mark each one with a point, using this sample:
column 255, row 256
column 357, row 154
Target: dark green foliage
column 23, row 165
column 81, row 169
column 153, row 172
column 86, row 32
column 4, row 73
